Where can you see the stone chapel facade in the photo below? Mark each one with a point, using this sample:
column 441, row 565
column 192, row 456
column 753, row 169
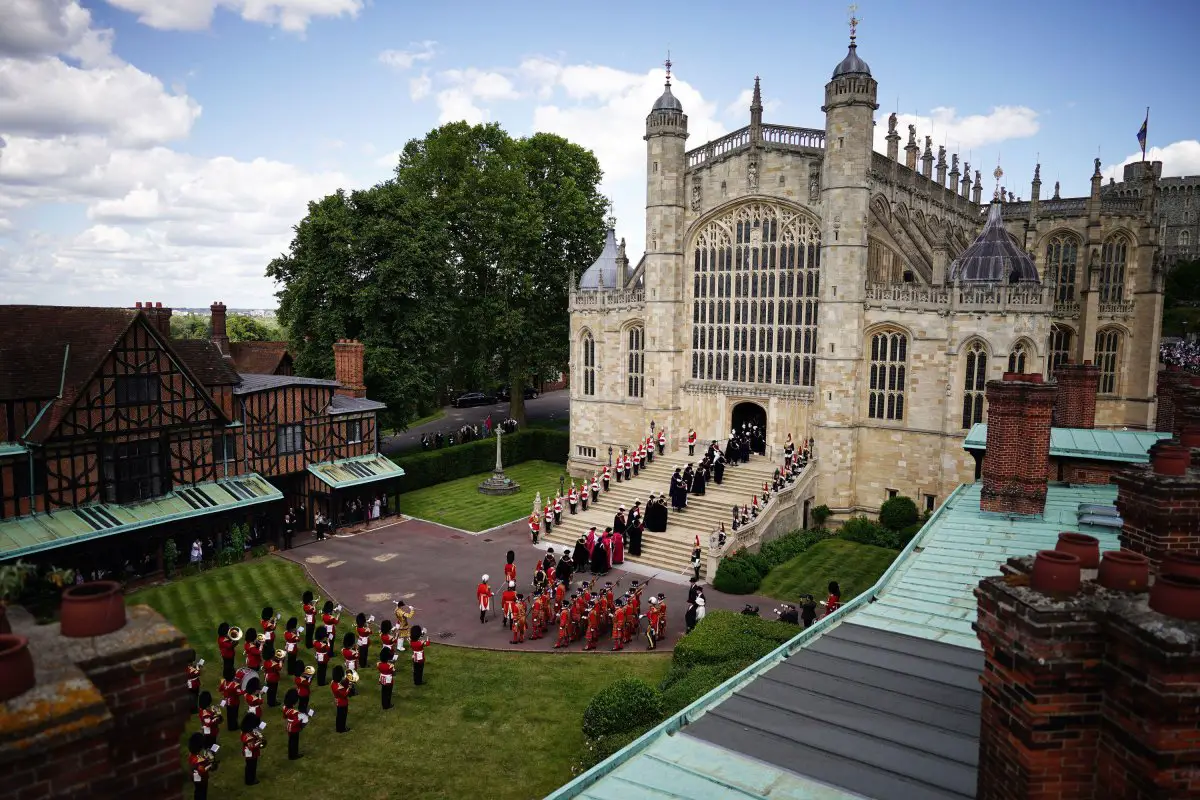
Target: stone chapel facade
column 798, row 279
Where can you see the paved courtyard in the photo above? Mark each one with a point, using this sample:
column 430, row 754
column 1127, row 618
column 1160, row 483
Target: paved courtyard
column 436, row 569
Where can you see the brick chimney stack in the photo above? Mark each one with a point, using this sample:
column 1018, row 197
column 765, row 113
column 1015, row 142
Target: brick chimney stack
column 1160, row 503
column 1076, row 403
column 219, row 335
column 1170, row 380
column 348, row 367
column 159, row 317
column 1016, row 464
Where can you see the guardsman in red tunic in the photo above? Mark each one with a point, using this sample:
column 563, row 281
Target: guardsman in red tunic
column 595, row 488
column 330, row 619
column 231, row 694
column 363, row 628
column 349, row 652
column 519, row 620
column 593, row 628
column 560, row 594
column 576, row 617
column 557, row 511
column 661, row 633
column 272, row 667
column 387, row 677
column 547, row 518
column 652, row 626
column 200, row 763
column 606, row 476
column 564, row 628
column 291, row 646
column 535, row 526
column 254, row 698
column 510, row 566
column 508, row 599
column 295, row 719
column 252, row 649
column 310, row 619
column 268, row 628
column 619, row 465
column 210, row 719
column 691, row 442
column 193, row 683
column 662, row 441
column 539, row 617
column 322, row 651
column 418, row 643
column 252, row 746
column 618, row 628
column 573, row 499
column 341, row 698
column 483, row 594
column 303, row 683
column 386, row 638
column 226, row 647
column 603, row 609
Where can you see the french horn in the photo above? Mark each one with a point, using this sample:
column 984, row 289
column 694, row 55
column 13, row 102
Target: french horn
column 235, row 634
column 351, row 676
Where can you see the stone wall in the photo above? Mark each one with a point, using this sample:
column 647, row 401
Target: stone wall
column 106, row 716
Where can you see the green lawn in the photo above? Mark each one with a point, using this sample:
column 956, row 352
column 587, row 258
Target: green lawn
column 854, row 566
column 458, row 503
column 485, row 724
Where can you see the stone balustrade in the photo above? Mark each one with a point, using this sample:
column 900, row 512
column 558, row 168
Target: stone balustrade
column 603, row 299
column 987, row 298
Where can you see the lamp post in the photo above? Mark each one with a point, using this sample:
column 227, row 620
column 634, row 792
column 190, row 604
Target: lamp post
column 610, row 455
column 562, row 481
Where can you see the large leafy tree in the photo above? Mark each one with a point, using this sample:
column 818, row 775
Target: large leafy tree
column 454, row 273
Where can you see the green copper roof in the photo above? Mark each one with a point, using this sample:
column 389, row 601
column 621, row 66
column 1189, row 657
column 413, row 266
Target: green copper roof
column 355, row 471
column 11, row 449
column 928, row 592
column 32, row 534
column 1093, row 443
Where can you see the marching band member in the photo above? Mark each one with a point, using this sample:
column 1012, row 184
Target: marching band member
column 310, row 619
column 341, row 698
column 254, row 698
column 295, row 720
column 231, row 694
column 510, row 568
column 834, row 601
column 387, row 677
column 271, row 668
column 557, row 511
column 252, row 746
column 200, row 763
column 268, row 628
column 483, row 593
column 322, row 650
column 210, row 719
column 193, row 683
column 349, row 652
column 418, row 643
column 330, row 619
column 252, row 649
column 363, row 629
column 593, row 627
column 291, row 646
column 508, row 599
column 386, row 637
column 620, row 466
column 303, row 688
column 518, row 621
column 404, row 615
column 226, row 647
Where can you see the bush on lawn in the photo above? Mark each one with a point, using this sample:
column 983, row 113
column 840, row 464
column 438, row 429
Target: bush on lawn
column 737, row 574
column 600, row 748
column 693, row 683
column 906, row 535
column 727, row 636
column 620, row 707
column 450, row 463
column 898, row 512
column 864, row 531
column 788, row 546
column 820, row 514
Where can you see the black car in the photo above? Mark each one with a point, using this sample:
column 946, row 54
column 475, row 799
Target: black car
column 473, row 399
column 506, row 393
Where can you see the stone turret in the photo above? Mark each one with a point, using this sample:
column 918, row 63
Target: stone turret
column 756, row 109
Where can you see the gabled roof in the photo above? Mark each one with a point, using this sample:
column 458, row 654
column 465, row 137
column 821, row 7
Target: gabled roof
column 341, row 404
column 263, row 358
column 1131, row 447
column 206, row 361
column 36, row 338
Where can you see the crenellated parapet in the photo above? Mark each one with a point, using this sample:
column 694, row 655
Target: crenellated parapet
column 773, row 137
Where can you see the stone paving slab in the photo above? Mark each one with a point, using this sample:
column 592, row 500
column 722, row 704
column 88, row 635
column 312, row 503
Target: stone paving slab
column 436, row 569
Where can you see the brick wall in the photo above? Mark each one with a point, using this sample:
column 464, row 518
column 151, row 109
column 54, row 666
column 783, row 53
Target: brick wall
column 1075, row 406
column 105, row 718
column 1081, row 472
column 348, row 367
column 1016, row 464
column 1160, row 512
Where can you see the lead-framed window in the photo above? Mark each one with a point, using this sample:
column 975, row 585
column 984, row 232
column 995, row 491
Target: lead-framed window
column 888, row 377
column 974, row 384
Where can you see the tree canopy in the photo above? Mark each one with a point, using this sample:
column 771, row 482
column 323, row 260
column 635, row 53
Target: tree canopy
column 454, row 273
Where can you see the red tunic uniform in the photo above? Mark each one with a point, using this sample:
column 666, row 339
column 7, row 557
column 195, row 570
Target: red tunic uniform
column 226, row 646
column 483, row 594
column 303, row 685
column 564, row 628
column 364, row 635
column 199, row 765
column 253, row 655
column 508, row 599
column 291, row 718
column 232, row 692
column 832, row 604
column 322, row 651
column 387, row 673
column 268, row 630
column 330, row 622
column 254, row 704
column 510, row 572
column 618, row 628
column 193, row 678
column 272, row 669
column 350, row 655
column 593, row 629
column 210, row 722
column 388, row 640
column 418, row 650
column 251, row 745
column 310, row 614
column 341, row 694
column 291, row 641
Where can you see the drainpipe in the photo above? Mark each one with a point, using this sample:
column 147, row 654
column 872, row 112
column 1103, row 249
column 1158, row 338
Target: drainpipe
column 62, row 380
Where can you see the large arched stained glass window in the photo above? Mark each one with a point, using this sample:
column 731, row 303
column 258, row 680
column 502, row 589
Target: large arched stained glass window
column 1108, row 357
column 588, row 352
column 889, row 367
column 1112, row 269
column 1062, row 252
column 635, row 360
column 754, row 297
column 975, row 385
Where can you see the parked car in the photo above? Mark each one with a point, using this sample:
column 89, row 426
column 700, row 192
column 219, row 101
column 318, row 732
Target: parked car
column 505, row 394
column 473, row 399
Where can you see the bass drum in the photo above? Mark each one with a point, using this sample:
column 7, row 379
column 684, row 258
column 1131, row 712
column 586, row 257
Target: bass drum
column 246, row 678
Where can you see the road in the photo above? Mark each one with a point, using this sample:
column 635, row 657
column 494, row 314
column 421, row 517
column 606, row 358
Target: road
column 551, row 405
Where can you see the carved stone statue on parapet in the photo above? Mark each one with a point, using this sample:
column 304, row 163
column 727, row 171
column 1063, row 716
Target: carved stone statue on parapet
column 928, row 144
column 912, row 134
column 752, row 175
column 954, row 163
column 891, row 123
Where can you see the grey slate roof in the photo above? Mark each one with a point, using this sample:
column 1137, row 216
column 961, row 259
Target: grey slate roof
column 603, row 273
column 872, row 712
column 340, row 404
column 253, row 382
column 667, row 101
column 993, row 257
column 851, row 64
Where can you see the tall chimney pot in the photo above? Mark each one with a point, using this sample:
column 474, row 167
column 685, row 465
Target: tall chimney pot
column 1016, row 464
column 219, row 335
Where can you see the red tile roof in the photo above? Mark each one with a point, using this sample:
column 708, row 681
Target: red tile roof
column 205, row 361
column 260, row 358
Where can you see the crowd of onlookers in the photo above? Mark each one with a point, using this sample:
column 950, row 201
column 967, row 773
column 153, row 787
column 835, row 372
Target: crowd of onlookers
column 467, row 433
column 1183, row 353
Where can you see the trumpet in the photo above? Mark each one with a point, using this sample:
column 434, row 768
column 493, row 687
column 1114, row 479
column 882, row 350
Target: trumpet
column 217, row 713
column 209, row 759
column 260, row 638
column 260, row 736
column 351, row 676
column 235, row 634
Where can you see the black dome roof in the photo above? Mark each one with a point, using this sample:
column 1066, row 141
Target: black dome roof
column 668, row 101
column 993, row 258
column 851, row 64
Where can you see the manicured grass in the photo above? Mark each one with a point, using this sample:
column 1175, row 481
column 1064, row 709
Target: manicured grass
column 485, row 724
column 458, row 503
column 854, row 566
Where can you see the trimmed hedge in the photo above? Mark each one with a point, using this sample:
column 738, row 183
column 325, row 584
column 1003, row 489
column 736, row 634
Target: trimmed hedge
column 864, row 531
column 790, row 545
column 600, row 748
column 906, row 535
column 430, row 467
column 897, row 513
column 737, row 574
column 727, row 636
column 620, row 707
column 691, row 684
column 742, row 572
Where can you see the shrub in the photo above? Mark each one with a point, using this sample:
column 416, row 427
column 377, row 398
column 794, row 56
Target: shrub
column 229, row 556
column 820, row 514
column 736, row 575
column 864, row 531
column 788, row 546
column 906, row 535
column 621, row 707
column 755, row 560
column 898, row 512
column 693, row 683
column 258, row 551
column 430, row 467
column 600, row 748
column 726, row 636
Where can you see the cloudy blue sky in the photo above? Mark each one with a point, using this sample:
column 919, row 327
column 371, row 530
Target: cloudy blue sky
column 163, row 149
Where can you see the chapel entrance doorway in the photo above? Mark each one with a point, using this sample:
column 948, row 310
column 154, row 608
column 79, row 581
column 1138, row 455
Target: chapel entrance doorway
column 752, row 415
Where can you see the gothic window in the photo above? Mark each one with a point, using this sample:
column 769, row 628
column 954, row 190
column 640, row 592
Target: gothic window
column 1112, row 269
column 975, row 385
column 883, row 265
column 1185, row 238
column 1018, row 357
column 635, row 360
column 1061, row 254
column 762, row 255
column 589, row 364
column 1060, row 346
column 1108, row 350
column 889, row 362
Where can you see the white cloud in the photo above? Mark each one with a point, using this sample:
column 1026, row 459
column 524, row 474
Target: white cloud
column 389, row 160
column 420, row 86
column 35, row 28
column 740, row 109
column 196, row 15
column 1179, row 159
column 456, row 104
column 404, row 59
column 961, row 134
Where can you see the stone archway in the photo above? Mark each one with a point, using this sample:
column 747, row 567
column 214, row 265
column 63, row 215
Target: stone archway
column 754, row 415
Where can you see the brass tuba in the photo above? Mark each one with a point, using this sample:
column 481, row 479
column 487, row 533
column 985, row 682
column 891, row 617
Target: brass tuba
column 351, row 676
column 235, row 634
